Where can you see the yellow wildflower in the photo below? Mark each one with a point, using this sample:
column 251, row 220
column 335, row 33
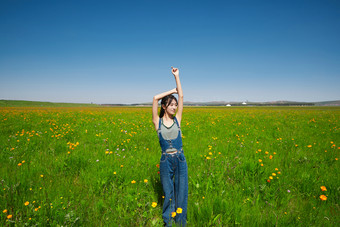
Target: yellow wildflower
column 173, row 214
column 323, row 197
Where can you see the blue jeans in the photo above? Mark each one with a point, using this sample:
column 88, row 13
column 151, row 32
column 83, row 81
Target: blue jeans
column 174, row 178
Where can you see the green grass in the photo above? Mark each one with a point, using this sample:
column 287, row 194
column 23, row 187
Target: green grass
column 88, row 166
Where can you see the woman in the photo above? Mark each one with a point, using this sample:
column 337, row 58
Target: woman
column 173, row 166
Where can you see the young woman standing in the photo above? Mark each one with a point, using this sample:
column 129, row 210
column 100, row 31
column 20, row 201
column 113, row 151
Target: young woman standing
column 173, row 166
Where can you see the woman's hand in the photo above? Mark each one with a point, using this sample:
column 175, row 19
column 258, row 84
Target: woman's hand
column 175, row 71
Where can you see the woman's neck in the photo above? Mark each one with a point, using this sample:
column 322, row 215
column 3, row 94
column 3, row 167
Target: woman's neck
column 168, row 120
column 167, row 117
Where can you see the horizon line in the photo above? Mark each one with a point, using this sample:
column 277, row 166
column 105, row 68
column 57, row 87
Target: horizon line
column 191, row 102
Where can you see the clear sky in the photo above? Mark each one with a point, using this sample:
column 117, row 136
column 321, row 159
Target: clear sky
column 122, row 51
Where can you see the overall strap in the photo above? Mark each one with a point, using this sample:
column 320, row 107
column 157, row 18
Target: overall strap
column 159, row 124
column 176, row 122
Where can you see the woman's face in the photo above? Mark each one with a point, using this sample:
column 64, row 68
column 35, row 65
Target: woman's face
column 172, row 107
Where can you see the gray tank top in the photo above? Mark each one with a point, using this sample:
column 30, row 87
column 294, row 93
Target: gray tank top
column 169, row 133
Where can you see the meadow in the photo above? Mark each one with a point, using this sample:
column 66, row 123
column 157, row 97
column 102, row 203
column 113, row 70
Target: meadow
column 94, row 166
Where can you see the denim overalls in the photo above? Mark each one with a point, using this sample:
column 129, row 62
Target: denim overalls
column 174, row 178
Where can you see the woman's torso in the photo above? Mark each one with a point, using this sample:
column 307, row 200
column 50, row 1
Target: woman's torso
column 170, row 137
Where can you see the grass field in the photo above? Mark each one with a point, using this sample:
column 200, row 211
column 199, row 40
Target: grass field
column 99, row 166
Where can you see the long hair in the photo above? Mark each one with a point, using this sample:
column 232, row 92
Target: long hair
column 166, row 102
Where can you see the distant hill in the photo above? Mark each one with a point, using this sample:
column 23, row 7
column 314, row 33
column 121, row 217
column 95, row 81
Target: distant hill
column 328, row 103
column 272, row 103
column 247, row 103
column 23, row 103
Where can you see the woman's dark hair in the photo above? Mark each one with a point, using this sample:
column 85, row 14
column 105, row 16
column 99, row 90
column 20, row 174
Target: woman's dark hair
column 166, row 102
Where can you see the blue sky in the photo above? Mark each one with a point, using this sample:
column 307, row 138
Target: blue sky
column 122, row 51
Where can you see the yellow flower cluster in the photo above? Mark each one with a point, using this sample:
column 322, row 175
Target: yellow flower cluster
column 274, row 175
column 9, row 215
column 20, row 163
column 323, row 197
column 178, row 211
column 72, row 145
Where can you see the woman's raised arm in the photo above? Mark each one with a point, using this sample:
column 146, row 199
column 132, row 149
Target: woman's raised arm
column 175, row 72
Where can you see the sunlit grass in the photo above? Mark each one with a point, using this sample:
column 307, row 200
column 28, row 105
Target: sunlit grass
column 99, row 166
